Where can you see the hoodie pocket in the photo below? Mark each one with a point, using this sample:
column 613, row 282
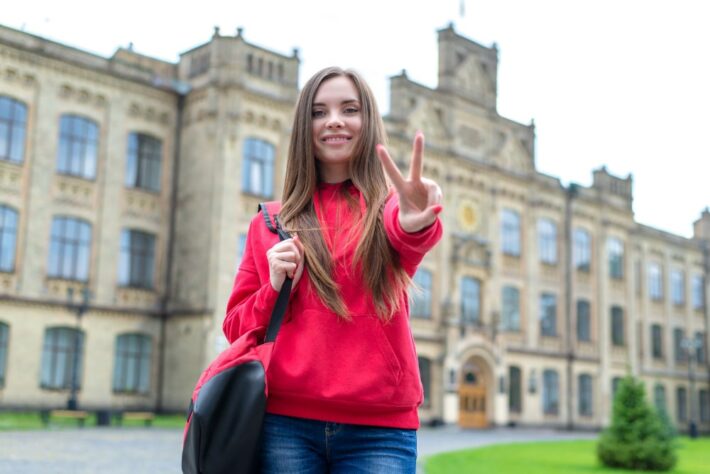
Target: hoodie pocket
column 320, row 357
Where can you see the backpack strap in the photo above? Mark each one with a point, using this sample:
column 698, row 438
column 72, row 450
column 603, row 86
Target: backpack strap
column 269, row 211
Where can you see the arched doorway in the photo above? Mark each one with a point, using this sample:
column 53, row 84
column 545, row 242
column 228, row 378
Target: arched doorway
column 473, row 399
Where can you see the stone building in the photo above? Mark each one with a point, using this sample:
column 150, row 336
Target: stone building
column 132, row 181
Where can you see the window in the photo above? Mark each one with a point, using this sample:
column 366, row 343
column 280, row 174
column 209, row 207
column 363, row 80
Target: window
column 547, row 241
column 698, row 292
column 470, row 300
column 615, row 252
column 78, row 146
column 583, row 321
column 657, row 341
column 8, row 238
column 143, row 162
column 510, row 230
column 515, row 390
column 4, row 338
column 13, row 123
column 61, row 345
column 659, row 397
column 700, row 352
column 69, row 249
column 617, row 326
column 550, row 392
column 585, row 395
column 241, row 245
column 677, row 287
column 682, row 404
column 655, row 281
column 548, row 314
column 511, row 309
column 582, row 250
column 425, row 374
column 258, row 168
column 137, row 260
column 133, row 363
column 421, row 301
column 704, row 406
column 678, row 336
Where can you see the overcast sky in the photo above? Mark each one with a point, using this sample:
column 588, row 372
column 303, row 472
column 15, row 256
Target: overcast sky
column 621, row 83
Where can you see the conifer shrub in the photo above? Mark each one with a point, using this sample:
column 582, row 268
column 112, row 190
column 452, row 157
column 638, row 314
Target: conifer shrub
column 638, row 437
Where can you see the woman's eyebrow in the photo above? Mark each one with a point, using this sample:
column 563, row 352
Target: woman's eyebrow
column 346, row 101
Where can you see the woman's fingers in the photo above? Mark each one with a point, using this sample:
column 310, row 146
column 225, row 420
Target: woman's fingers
column 417, row 163
column 285, row 259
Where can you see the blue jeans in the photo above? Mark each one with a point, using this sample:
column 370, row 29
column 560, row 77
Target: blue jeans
column 295, row 445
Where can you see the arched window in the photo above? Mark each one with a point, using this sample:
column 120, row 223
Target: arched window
column 550, row 392
column 548, row 314
column 511, row 309
column 510, row 232
column 132, row 367
column 136, row 265
column 582, row 250
column 659, row 398
column 78, row 146
column 8, row 238
column 425, row 373
column 547, row 241
column 13, row 125
column 515, row 390
column 58, row 357
column 258, row 168
column 143, row 161
column 70, row 249
column 583, row 320
column 585, row 395
column 421, row 294
column 617, row 326
column 470, row 300
column 615, row 253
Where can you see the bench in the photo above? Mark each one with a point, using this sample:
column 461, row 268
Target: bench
column 79, row 415
column 145, row 416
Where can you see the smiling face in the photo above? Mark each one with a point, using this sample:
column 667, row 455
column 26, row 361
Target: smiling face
column 336, row 127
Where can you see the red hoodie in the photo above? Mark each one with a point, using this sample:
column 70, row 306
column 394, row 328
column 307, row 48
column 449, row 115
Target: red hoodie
column 361, row 371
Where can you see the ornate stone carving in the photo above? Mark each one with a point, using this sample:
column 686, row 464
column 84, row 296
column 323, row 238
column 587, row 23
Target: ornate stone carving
column 75, row 191
column 148, row 113
column 10, row 177
column 83, row 96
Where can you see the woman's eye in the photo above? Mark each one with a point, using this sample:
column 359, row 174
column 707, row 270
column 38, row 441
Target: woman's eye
column 352, row 110
column 318, row 113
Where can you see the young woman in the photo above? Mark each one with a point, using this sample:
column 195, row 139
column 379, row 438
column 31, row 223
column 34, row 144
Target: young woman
column 343, row 382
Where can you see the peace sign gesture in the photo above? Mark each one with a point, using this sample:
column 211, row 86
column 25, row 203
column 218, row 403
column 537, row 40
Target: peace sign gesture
column 419, row 198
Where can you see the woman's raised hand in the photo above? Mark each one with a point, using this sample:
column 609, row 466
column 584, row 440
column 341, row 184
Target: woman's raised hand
column 285, row 259
column 419, row 198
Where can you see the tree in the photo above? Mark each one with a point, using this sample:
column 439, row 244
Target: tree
column 638, row 438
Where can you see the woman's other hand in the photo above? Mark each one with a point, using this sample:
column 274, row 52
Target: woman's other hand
column 419, row 198
column 285, row 259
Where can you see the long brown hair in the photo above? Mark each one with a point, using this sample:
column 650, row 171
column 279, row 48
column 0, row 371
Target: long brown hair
column 383, row 274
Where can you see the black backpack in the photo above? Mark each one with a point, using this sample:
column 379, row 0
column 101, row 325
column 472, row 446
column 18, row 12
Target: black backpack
column 223, row 429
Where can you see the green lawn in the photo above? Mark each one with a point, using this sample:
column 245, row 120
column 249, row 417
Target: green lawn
column 10, row 420
column 567, row 457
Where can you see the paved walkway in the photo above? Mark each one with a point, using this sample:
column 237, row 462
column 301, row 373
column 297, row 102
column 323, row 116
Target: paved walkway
column 157, row 451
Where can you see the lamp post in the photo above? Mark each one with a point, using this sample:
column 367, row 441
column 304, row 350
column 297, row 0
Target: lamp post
column 80, row 310
column 691, row 345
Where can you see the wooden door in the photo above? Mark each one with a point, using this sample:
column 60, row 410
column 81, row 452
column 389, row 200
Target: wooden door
column 472, row 399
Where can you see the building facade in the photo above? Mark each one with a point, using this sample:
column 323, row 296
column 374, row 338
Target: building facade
column 127, row 186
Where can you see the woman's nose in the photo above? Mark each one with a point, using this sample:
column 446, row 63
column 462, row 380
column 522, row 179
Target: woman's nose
column 334, row 121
